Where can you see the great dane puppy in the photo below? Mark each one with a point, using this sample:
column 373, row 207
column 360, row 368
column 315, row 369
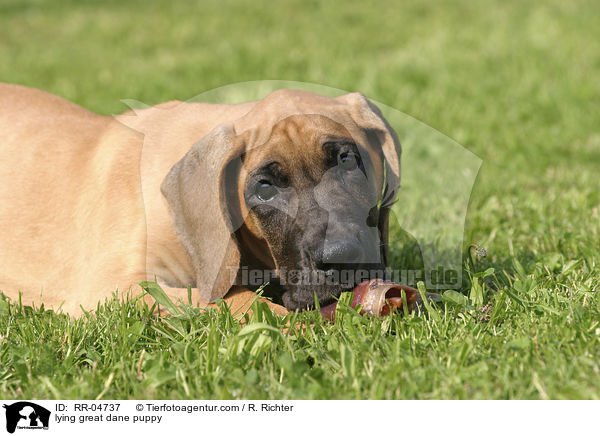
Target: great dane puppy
column 193, row 194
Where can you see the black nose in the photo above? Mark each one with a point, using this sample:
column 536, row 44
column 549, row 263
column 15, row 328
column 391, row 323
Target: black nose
column 342, row 252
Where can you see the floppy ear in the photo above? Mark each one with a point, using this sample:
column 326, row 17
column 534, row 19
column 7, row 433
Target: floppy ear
column 198, row 190
column 380, row 134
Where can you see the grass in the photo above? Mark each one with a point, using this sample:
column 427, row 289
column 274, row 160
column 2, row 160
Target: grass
column 514, row 82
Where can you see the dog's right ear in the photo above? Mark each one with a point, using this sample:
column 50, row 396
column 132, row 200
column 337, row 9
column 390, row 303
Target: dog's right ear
column 199, row 190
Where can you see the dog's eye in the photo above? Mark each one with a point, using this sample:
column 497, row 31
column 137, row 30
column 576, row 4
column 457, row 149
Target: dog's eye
column 348, row 160
column 265, row 190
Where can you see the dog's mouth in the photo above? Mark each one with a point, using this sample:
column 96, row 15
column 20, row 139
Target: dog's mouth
column 302, row 289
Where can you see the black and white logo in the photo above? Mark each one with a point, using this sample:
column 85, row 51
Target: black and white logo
column 26, row 415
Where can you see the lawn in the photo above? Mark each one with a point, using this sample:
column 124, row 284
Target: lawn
column 515, row 83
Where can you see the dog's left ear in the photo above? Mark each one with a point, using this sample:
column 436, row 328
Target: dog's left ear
column 201, row 192
column 381, row 135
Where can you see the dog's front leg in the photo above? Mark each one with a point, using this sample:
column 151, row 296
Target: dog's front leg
column 238, row 299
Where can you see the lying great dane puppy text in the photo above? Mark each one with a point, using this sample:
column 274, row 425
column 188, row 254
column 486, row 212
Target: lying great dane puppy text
column 192, row 194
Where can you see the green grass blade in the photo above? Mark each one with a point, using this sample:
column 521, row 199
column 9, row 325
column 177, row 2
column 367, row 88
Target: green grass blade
column 161, row 297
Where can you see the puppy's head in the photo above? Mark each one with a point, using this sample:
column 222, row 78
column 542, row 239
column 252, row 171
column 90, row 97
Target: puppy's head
column 310, row 192
column 303, row 183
